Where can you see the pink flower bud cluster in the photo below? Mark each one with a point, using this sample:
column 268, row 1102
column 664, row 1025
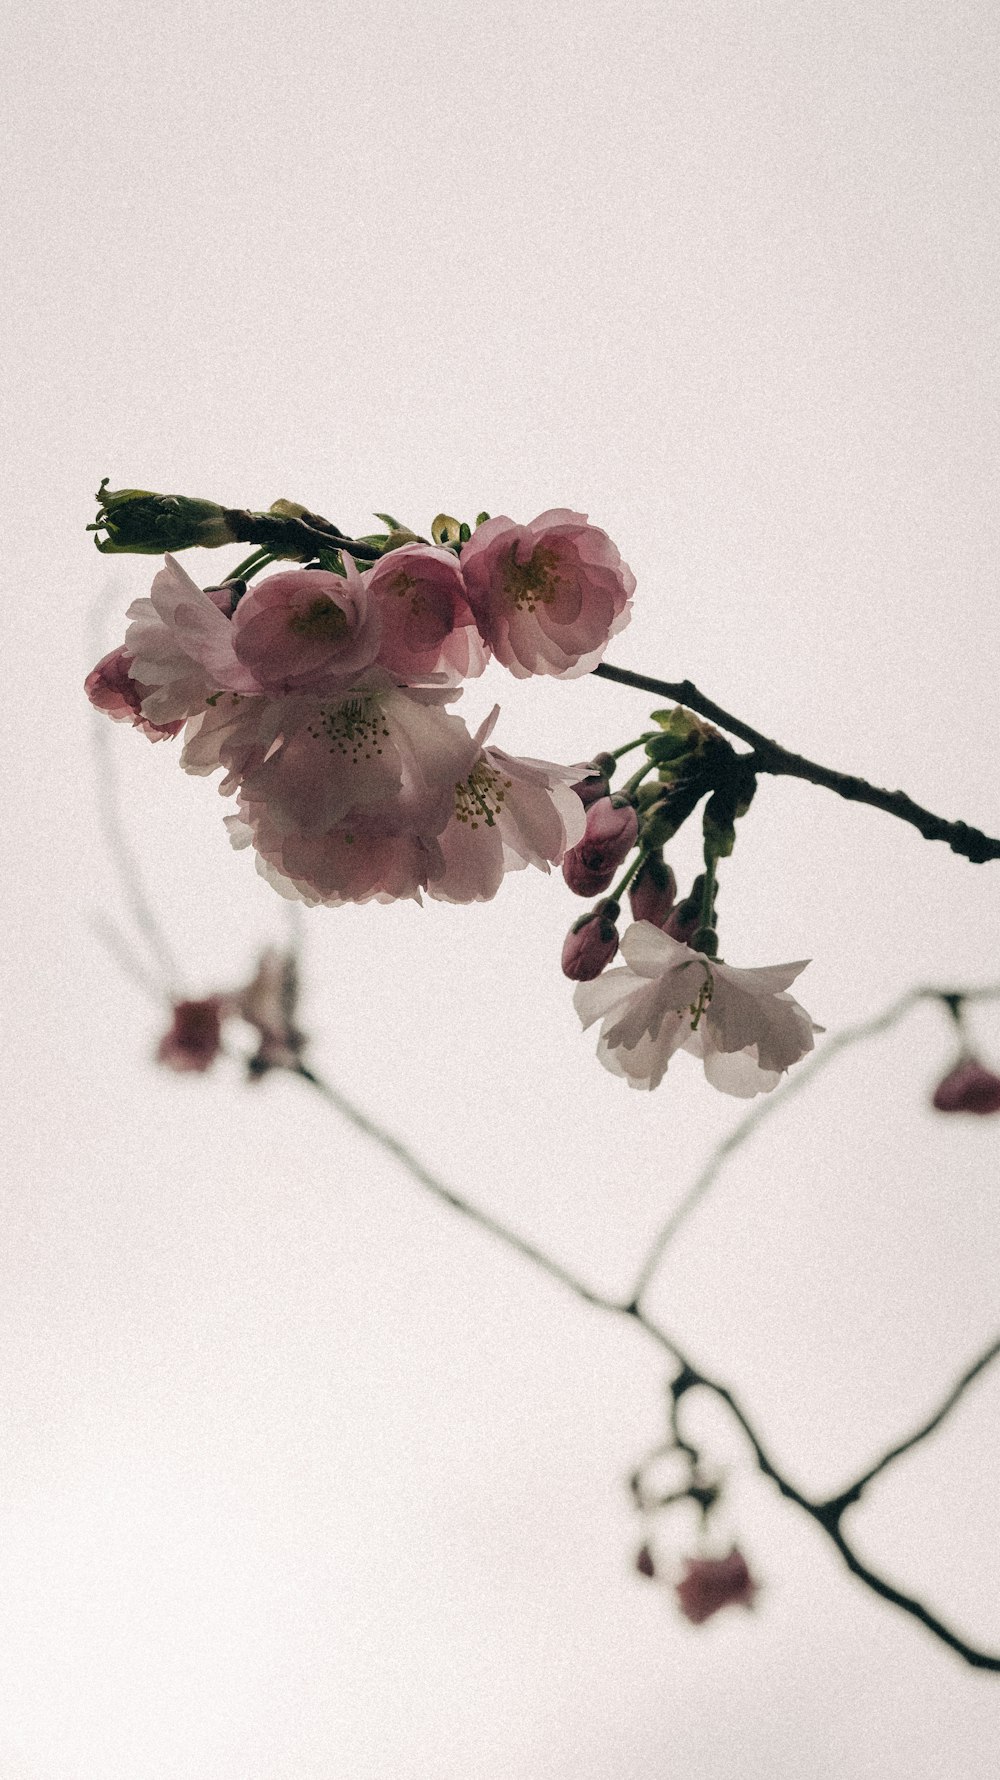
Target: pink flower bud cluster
column 322, row 698
column 611, row 833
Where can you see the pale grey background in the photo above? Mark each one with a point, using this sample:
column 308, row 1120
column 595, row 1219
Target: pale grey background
column 300, row 1479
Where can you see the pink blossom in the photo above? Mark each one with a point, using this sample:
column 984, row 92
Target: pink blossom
column 741, row 1023
column 709, row 1584
column 182, row 648
column 548, row 596
column 305, row 630
column 111, row 689
column 968, row 1087
column 390, row 753
column 351, row 862
column 195, row 1036
column 507, row 813
column 653, row 891
column 590, row 944
column 427, row 626
column 611, row 833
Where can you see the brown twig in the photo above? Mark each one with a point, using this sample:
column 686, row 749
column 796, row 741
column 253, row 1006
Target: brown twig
column 770, row 757
column 827, row 1514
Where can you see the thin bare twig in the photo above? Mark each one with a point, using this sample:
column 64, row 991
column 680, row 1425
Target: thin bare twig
column 770, row 757
column 803, row 1077
column 827, row 1514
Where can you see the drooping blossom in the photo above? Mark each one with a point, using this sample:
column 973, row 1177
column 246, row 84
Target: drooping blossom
column 181, row 645
column 507, row 813
column 709, row 1584
column 610, row 834
column 428, row 628
column 653, row 891
column 548, row 596
column 111, row 689
column 305, row 630
column 194, row 1038
column 742, row 1024
column 968, row 1087
column 382, row 752
column 591, row 943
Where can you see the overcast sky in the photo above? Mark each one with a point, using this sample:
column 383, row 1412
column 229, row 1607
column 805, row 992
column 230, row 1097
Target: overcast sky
column 302, row 1478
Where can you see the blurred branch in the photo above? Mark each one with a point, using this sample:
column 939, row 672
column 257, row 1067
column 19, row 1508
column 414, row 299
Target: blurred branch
column 119, row 846
column 770, row 757
column 827, row 1514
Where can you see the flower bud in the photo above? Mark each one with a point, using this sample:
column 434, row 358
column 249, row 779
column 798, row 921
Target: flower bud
column 611, row 833
column 591, row 943
column 711, row 1583
column 595, row 785
column 644, row 1563
column 667, row 811
column 968, row 1087
column 151, row 524
column 653, row 891
column 684, row 920
column 195, row 1037
column 718, row 826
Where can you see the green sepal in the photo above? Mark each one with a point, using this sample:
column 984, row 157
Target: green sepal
column 445, row 529
column 141, row 523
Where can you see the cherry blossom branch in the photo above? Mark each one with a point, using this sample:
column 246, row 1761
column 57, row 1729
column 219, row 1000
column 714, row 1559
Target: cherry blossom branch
column 804, row 1075
column 770, row 757
column 827, row 1514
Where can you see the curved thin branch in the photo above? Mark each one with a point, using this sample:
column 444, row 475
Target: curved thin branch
column 934, row 1421
column 826, row 1514
column 804, row 1075
column 414, row 1167
column 770, row 757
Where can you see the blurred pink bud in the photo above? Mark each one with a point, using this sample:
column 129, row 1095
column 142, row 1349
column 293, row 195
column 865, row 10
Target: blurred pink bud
column 195, row 1037
column 653, row 891
column 644, row 1563
column 968, row 1087
column 611, row 833
column 591, row 944
column 111, row 689
column 711, row 1583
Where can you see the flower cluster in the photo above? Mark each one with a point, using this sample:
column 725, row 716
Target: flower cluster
column 322, row 695
column 673, row 992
